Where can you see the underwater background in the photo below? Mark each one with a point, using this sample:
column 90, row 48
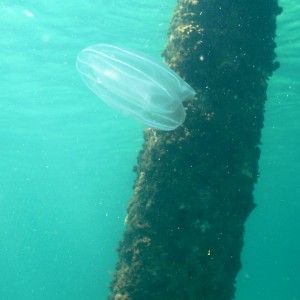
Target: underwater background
column 66, row 158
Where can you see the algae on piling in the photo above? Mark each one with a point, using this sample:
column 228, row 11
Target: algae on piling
column 194, row 186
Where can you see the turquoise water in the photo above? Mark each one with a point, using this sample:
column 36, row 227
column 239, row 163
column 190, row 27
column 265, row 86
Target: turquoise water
column 66, row 159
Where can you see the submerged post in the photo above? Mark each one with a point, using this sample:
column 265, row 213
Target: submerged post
column 194, row 185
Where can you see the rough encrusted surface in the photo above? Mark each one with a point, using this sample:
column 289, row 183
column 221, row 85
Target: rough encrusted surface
column 193, row 191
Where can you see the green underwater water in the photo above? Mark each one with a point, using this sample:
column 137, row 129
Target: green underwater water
column 66, row 159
